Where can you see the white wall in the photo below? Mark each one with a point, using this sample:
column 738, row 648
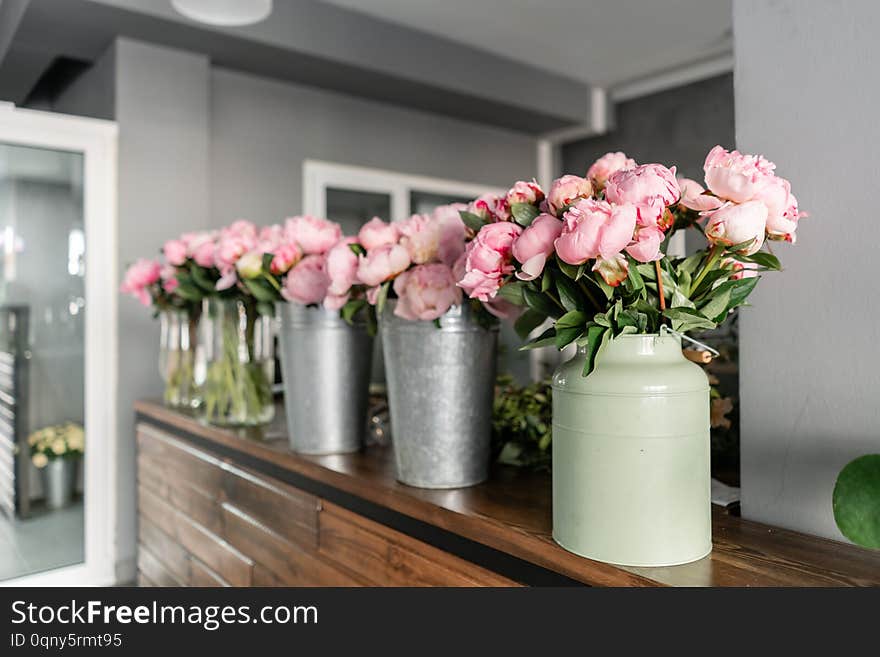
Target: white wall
column 806, row 96
column 262, row 130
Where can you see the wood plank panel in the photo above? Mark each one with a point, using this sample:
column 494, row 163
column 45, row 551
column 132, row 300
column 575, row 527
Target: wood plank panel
column 194, row 466
column 189, row 501
column 201, row 575
column 154, row 570
column 217, row 554
column 165, row 549
column 281, row 562
column 388, row 558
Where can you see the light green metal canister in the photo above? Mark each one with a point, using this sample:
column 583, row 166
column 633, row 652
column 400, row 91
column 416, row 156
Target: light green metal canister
column 631, row 481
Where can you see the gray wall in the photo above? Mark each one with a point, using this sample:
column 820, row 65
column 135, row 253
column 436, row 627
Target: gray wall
column 674, row 127
column 262, row 131
column 810, row 368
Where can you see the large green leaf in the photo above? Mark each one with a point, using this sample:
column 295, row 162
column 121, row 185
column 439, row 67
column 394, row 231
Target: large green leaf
column 571, row 319
column 512, row 291
column 201, row 278
column 565, row 336
column 546, row 339
column 473, row 221
column 717, row 306
column 689, row 265
column 763, row 259
column 261, row 290
column 685, row 319
column 528, row 322
column 856, row 501
column 739, row 290
column 539, row 302
column 524, row 213
column 574, row 272
column 569, row 294
column 597, row 336
column 382, row 297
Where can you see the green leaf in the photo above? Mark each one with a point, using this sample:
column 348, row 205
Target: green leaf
column 607, row 290
column 739, row 290
column 528, row 322
column 261, row 290
column 200, row 277
column 597, row 336
column 565, row 336
column 351, row 308
column 572, row 271
column 267, row 262
column 763, row 259
column 189, row 292
column 717, row 305
column 570, row 294
column 524, row 213
column 647, row 270
column 602, row 320
column 679, row 300
column 736, row 248
column 382, row 297
column 546, row 339
column 711, row 278
column 856, row 501
column 546, row 280
column 634, row 280
column 539, row 302
column 512, row 292
column 685, row 319
column 357, row 249
column 265, row 309
column 571, row 319
column 473, row 221
column 689, row 265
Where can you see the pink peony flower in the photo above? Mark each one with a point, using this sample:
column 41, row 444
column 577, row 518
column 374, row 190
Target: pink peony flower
column 525, row 192
column 342, row 266
column 595, row 229
column 174, row 252
column 382, row 264
column 488, row 260
column 376, row 233
column 490, row 208
column 741, row 269
column 168, row 276
column 313, row 235
column 736, row 177
column 650, row 187
column 646, row 244
column 271, row 238
column 202, row 251
column 693, row 196
column 782, row 209
column 613, row 270
column 610, row 163
column 336, row 301
column 439, row 237
column 284, row 257
column 139, row 277
column 566, row 190
column 535, row 245
column 735, row 223
column 306, row 283
column 426, row 292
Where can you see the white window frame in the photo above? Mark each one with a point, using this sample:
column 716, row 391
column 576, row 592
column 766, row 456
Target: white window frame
column 319, row 175
column 97, row 141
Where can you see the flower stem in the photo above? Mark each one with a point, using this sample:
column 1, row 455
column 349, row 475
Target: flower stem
column 586, row 290
column 714, row 253
column 660, row 291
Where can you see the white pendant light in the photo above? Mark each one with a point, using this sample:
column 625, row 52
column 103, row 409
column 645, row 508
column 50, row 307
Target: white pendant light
column 224, row 12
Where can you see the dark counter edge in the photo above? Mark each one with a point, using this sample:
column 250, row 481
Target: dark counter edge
column 489, row 558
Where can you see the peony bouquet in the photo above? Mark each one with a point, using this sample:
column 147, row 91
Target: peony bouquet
column 590, row 253
column 62, row 441
column 418, row 262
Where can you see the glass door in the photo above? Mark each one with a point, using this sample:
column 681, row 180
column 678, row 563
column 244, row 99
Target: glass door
column 42, row 359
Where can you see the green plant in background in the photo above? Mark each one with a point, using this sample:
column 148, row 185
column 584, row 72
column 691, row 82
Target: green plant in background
column 856, row 501
column 522, row 423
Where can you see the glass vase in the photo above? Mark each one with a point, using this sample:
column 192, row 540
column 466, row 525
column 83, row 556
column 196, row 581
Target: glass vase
column 239, row 363
column 179, row 356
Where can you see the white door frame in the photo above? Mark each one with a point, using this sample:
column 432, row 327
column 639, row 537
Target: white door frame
column 318, row 176
column 96, row 140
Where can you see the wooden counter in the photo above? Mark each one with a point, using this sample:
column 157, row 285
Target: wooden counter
column 220, row 506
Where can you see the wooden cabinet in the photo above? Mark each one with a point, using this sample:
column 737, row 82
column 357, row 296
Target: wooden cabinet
column 206, row 521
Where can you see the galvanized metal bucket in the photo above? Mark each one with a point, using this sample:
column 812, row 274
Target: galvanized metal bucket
column 440, row 387
column 59, row 481
column 325, row 364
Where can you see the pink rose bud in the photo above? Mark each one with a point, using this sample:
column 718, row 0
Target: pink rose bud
column 490, row 208
column 175, row 252
column 535, row 245
column 594, row 229
column 736, row 223
column 376, row 233
column 610, row 163
column 306, row 283
column 382, row 264
column 694, row 197
column 342, row 265
column 285, row 256
column 525, row 192
column 138, row 279
column 741, row 269
column 488, row 260
column 650, row 187
column 566, row 190
column 736, row 177
column 426, row 292
column 313, row 235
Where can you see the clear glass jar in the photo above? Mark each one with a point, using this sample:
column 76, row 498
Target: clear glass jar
column 179, row 357
column 238, row 346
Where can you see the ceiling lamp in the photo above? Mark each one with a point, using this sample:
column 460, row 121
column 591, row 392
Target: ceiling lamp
column 228, row 13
